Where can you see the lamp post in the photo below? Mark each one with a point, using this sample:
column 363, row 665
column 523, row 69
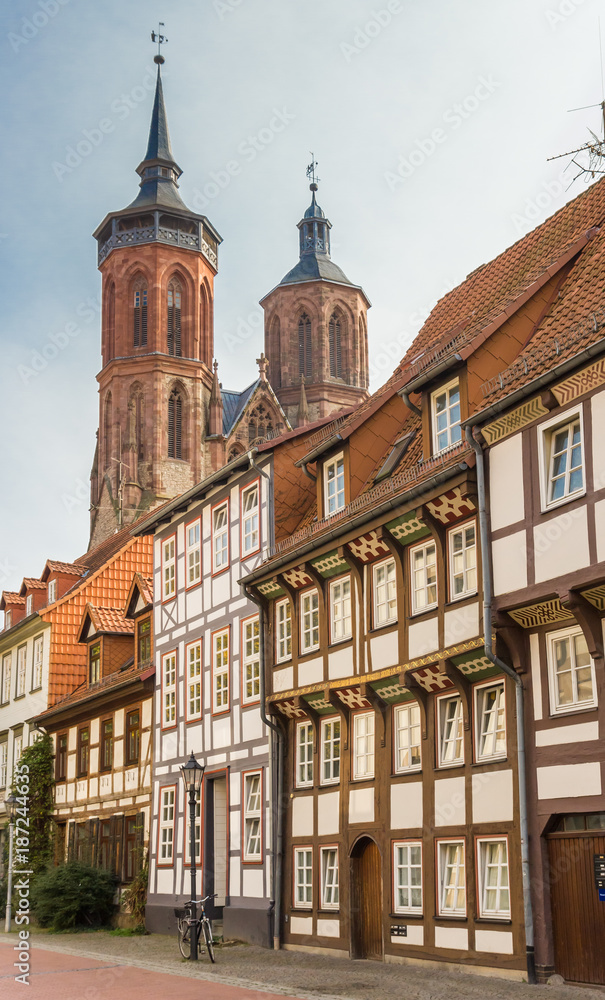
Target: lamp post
column 193, row 774
column 10, row 804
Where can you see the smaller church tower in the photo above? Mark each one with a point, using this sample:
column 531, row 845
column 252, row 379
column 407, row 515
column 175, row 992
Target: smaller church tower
column 316, row 338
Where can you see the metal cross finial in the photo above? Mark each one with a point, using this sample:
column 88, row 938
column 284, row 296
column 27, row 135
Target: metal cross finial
column 161, row 40
column 311, row 173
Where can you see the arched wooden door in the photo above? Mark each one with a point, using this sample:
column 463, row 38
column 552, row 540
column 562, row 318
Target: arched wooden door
column 366, row 900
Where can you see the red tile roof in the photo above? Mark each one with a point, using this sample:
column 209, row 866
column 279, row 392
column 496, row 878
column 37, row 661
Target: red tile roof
column 119, row 678
column 106, row 620
column 31, row 583
column 10, row 597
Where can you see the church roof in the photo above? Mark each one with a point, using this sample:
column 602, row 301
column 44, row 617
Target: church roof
column 234, row 403
column 157, row 189
column 314, row 267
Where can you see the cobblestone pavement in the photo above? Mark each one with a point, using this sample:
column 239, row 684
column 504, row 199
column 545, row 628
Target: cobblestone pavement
column 292, row 974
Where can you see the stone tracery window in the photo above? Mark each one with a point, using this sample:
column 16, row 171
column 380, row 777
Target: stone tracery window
column 260, row 423
column 335, row 346
column 305, row 357
column 175, row 421
column 174, row 319
column 139, row 332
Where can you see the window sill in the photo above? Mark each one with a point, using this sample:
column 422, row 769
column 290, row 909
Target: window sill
column 308, row 652
column 406, row 916
column 547, row 508
column 494, row 920
column 131, row 763
column 19, row 697
column 283, row 663
column 340, row 642
column 562, row 713
column 450, row 765
column 392, row 623
column 430, row 610
column 409, row 772
column 458, row 918
column 328, row 913
column 454, row 601
column 300, row 909
column 500, row 759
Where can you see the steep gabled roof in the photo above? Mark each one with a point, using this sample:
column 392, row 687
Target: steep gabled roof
column 103, row 621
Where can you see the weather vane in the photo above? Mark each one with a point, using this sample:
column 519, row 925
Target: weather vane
column 161, row 40
column 311, row 173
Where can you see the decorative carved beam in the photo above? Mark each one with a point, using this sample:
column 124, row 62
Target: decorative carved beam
column 407, row 680
column 379, row 705
column 343, row 712
column 514, row 639
column 587, row 618
column 436, row 528
column 449, row 668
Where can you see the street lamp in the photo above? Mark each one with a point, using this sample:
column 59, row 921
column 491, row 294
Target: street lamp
column 10, row 804
column 193, row 774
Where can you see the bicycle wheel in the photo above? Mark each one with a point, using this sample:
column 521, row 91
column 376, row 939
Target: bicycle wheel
column 184, row 938
column 208, row 939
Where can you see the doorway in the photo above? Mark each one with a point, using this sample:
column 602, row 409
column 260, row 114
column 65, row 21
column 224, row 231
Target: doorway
column 366, row 901
column 578, row 916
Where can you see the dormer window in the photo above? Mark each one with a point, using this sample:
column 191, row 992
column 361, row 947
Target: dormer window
column 334, row 485
column 445, row 413
column 29, row 604
column 52, row 591
column 8, row 619
column 95, row 663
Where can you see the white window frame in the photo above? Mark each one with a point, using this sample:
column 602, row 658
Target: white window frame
column 253, row 815
column 330, row 760
column 575, row 705
column 250, row 520
column 341, row 614
column 283, row 630
column 17, row 749
column 444, row 864
column 419, row 609
column 38, row 663
column 546, row 434
column 304, row 754
column 169, row 690
column 334, row 485
column 469, row 561
column 329, row 877
column 250, row 661
column 8, row 619
column 52, row 591
column 452, row 428
column 167, row 815
column 480, row 693
column 502, row 885
column 21, row 671
column 168, row 568
column 198, row 831
column 3, row 763
column 193, row 548
column 364, row 746
column 406, row 719
column 388, row 584
column 193, row 653
column 304, row 883
column 309, row 606
column 407, row 866
column 220, row 538
column 221, row 670
column 29, row 605
column 457, row 726
column 7, row 663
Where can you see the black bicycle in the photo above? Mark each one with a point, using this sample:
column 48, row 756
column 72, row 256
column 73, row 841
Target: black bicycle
column 188, row 922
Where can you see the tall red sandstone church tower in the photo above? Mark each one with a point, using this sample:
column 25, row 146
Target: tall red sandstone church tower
column 158, row 260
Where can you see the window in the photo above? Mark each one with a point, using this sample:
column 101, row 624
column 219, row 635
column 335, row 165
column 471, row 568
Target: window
column 463, row 561
column 490, row 718
column 309, row 621
column 452, row 878
column 140, row 318
column 52, row 591
column 3, row 763
column 330, row 751
column 17, row 749
column 6, row 677
column 21, row 665
column 562, row 460
column 494, row 890
column 304, row 754
column 83, row 751
column 106, row 745
column 251, row 660
column 303, row 877
column 220, row 538
column 329, row 878
column 174, row 319
column 29, row 604
column 407, row 737
column 169, row 568
column 445, row 405
column 305, row 356
column 166, row 826
column 194, row 681
column 423, row 559
column 133, row 736
column 144, row 634
column 220, row 670
column 571, row 672
column 340, row 610
column 250, row 531
column 38, row 662
column 363, row 745
column 94, row 663
column 61, row 760
column 451, row 731
column 194, row 553
column 283, row 630
column 334, row 485
column 131, row 856
column 335, row 346
column 198, row 832
column 8, row 619
column 168, row 690
column 252, row 816
column 175, row 424
column 407, row 877
column 385, row 593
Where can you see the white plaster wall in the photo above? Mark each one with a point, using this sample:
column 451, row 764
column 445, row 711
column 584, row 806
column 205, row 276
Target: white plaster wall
column 569, row 780
column 328, row 928
column 301, row 925
column 561, row 544
column 406, row 805
column 536, row 685
column 340, row 663
column 361, row 805
column 221, row 589
column 450, row 808
column 221, row 732
column 509, row 557
column 597, row 404
column 302, row 816
column 599, row 516
column 461, row 624
column 283, row 679
column 194, row 602
column 499, row 942
column 423, row 637
column 581, row 733
column 164, row 881
column 252, row 882
column 451, row 937
column 505, row 467
column 252, row 725
column 493, row 797
column 311, row 671
column 415, row 934
column 328, row 813
column 384, row 650
column 235, row 877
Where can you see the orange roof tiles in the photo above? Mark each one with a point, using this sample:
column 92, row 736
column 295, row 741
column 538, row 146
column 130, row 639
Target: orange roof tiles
column 10, row 597
column 107, row 620
column 31, row 583
column 83, row 692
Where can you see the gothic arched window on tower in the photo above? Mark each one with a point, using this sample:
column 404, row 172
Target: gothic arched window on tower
column 175, row 424
column 140, row 316
column 108, row 429
column 304, row 346
column 335, row 346
column 174, row 319
column 139, row 405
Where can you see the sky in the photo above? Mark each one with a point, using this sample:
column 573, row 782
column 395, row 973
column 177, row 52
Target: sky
column 432, row 124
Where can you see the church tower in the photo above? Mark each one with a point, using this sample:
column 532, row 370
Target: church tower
column 316, row 338
column 158, row 260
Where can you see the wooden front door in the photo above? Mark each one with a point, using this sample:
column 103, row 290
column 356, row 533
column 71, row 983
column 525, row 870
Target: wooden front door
column 367, row 901
column 578, row 917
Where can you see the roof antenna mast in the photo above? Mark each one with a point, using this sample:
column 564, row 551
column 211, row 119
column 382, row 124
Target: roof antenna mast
column 161, row 40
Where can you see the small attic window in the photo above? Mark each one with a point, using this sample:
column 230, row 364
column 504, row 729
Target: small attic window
column 52, row 591
column 29, row 604
column 395, row 455
column 8, row 619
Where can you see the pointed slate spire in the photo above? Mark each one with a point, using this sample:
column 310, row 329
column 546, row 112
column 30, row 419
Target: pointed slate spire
column 158, row 146
column 159, row 171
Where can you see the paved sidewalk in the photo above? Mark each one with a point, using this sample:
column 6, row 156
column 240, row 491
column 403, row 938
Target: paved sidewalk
column 97, row 966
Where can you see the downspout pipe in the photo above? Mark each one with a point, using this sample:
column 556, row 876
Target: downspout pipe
column 486, row 566
column 405, row 395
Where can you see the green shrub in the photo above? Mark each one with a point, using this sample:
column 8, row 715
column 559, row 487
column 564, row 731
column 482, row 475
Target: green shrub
column 73, row 895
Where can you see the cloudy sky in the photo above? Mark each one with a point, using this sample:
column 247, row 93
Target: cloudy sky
column 431, row 121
